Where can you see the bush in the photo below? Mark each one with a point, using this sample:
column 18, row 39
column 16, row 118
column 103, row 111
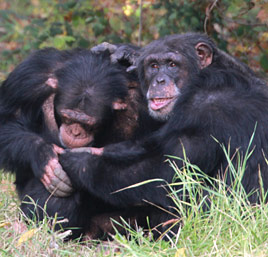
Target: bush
column 239, row 26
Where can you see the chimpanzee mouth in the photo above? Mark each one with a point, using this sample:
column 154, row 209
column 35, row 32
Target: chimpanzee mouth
column 71, row 140
column 159, row 103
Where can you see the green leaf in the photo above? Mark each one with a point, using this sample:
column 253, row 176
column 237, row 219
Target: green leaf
column 60, row 41
column 115, row 23
column 98, row 29
column 82, row 42
column 264, row 62
column 56, row 29
column 68, row 38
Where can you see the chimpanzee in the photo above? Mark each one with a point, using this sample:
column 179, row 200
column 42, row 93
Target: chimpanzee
column 205, row 99
column 64, row 99
column 25, row 130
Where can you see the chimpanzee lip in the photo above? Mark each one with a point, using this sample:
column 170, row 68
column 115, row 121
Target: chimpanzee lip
column 70, row 141
column 159, row 103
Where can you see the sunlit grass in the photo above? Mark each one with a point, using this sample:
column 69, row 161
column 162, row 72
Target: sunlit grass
column 214, row 220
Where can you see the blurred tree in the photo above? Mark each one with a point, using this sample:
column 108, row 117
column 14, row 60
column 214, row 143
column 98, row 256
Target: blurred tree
column 238, row 26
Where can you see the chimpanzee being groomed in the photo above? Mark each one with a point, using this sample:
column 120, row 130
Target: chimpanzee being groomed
column 64, row 99
column 206, row 99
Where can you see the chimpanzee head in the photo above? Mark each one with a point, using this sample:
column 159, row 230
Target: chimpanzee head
column 166, row 64
column 90, row 89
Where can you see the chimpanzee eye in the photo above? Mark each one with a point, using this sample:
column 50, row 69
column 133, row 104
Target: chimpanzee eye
column 154, row 66
column 172, row 64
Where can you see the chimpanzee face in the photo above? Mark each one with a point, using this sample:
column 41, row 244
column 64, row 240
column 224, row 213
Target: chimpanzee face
column 165, row 74
column 89, row 89
column 164, row 68
column 76, row 126
column 80, row 123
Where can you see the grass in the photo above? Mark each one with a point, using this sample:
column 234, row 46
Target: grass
column 231, row 227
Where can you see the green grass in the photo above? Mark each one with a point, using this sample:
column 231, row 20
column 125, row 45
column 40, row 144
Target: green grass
column 231, row 227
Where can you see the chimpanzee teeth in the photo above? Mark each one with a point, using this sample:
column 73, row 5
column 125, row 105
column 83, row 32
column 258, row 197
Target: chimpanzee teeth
column 160, row 100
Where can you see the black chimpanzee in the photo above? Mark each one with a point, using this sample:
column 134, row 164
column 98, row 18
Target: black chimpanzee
column 69, row 99
column 201, row 94
column 25, row 130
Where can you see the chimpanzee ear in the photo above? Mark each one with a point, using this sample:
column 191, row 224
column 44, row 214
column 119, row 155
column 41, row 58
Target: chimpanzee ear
column 119, row 104
column 204, row 52
column 52, row 82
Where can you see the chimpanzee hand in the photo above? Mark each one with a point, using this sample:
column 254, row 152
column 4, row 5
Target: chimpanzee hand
column 54, row 177
column 77, row 164
column 103, row 47
column 90, row 150
column 119, row 53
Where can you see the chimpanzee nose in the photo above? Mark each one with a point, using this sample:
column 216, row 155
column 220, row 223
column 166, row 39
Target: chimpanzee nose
column 160, row 80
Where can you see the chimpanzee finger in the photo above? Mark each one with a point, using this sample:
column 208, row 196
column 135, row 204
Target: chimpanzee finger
column 90, row 150
column 48, row 169
column 62, row 175
column 57, row 187
column 103, row 47
column 49, row 187
column 57, row 182
column 45, row 180
column 59, row 193
column 58, row 149
column 80, row 150
column 97, row 151
column 60, row 188
column 118, row 55
column 56, row 191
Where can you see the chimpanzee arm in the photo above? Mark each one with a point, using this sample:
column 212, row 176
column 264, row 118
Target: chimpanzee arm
column 23, row 148
column 128, row 152
column 24, row 152
column 124, row 152
column 103, row 179
column 30, row 83
column 20, row 146
column 101, row 176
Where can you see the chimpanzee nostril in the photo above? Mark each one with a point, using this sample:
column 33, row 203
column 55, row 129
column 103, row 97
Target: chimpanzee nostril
column 160, row 80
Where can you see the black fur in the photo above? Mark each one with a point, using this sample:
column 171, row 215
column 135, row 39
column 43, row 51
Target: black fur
column 86, row 81
column 225, row 100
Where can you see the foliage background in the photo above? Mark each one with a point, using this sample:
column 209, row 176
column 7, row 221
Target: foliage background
column 238, row 26
column 232, row 227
